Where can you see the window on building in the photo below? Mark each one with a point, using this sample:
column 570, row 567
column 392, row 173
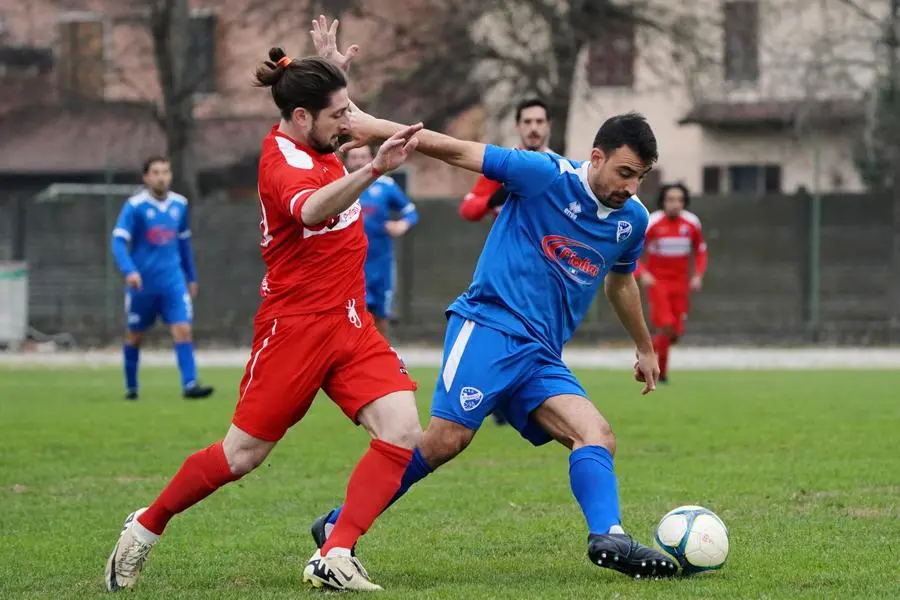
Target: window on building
column 202, row 52
column 80, row 65
column 712, row 180
column 611, row 57
column 741, row 36
column 754, row 179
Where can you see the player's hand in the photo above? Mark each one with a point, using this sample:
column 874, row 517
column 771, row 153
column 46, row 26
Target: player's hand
column 646, row 370
column 193, row 289
column 696, row 283
column 647, row 280
column 325, row 40
column 360, row 128
column 396, row 228
column 395, row 150
column 133, row 280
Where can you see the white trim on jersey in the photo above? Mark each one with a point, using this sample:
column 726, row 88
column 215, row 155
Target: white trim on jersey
column 293, row 155
column 347, row 218
column 184, row 235
column 691, row 218
column 297, row 197
column 122, row 233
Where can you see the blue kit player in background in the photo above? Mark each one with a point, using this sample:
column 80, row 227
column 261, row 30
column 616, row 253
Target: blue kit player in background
column 152, row 246
column 567, row 229
column 387, row 214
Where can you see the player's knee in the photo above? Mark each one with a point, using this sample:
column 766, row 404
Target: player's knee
column 404, row 431
column 133, row 338
column 443, row 441
column 597, row 432
column 181, row 332
column 243, row 460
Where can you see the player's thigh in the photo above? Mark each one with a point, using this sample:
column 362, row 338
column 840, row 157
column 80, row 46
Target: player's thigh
column 660, row 305
column 480, row 366
column 573, row 421
column 177, row 307
column 287, row 366
column 368, row 370
column 141, row 308
column 548, row 378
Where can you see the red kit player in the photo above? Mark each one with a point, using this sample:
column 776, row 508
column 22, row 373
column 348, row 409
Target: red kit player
column 673, row 235
column 312, row 331
column 487, row 196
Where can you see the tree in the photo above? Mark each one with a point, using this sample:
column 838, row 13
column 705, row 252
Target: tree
column 445, row 56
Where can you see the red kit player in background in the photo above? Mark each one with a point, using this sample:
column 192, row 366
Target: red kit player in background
column 312, row 330
column 487, row 196
column 673, row 235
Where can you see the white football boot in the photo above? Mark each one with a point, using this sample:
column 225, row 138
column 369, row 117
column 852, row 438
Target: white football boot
column 339, row 571
column 127, row 559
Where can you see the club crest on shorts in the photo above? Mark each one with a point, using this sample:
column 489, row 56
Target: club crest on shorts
column 470, row 398
column 623, row 231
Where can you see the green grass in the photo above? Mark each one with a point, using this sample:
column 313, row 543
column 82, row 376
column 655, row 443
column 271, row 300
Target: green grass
column 803, row 467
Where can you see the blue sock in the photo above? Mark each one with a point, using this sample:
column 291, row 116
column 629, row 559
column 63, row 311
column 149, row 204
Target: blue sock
column 594, row 486
column 184, row 353
column 417, row 470
column 132, row 355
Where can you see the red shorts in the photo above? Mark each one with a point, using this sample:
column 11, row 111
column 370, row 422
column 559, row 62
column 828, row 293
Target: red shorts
column 294, row 357
column 669, row 305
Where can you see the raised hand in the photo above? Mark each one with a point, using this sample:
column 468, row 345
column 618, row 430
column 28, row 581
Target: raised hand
column 360, row 129
column 395, row 150
column 325, row 39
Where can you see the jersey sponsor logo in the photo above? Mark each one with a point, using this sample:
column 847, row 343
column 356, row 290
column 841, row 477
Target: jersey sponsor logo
column 159, row 235
column 580, row 263
column 573, row 210
column 344, row 220
column 470, row 398
column 623, row 231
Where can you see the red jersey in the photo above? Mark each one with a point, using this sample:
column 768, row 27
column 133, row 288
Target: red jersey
column 476, row 204
column 668, row 247
column 308, row 269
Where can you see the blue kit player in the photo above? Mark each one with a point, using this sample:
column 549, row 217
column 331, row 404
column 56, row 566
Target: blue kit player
column 387, row 214
column 567, row 229
column 152, row 246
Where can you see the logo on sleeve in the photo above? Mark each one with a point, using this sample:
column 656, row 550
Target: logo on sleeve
column 578, row 261
column 623, row 231
column 470, row 398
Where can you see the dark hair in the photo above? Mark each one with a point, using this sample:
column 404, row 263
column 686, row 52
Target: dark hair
column 673, row 186
column 529, row 103
column 632, row 130
column 304, row 83
column 152, row 160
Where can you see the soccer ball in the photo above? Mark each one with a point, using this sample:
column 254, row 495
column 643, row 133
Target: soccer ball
column 695, row 537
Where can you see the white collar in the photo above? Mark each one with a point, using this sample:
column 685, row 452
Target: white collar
column 603, row 211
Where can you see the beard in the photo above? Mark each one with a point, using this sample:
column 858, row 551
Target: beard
column 616, row 200
column 322, row 146
column 534, row 143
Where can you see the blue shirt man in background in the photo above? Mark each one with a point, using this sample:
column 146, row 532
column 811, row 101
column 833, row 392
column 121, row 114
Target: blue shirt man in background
column 387, row 214
column 152, row 247
column 566, row 228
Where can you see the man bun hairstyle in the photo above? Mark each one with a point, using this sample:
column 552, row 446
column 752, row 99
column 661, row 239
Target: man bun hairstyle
column 299, row 82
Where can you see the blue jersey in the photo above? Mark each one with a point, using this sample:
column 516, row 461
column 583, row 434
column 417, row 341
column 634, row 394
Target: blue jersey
column 549, row 249
column 159, row 237
column 381, row 202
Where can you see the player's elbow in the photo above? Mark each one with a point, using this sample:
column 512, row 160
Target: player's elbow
column 470, row 211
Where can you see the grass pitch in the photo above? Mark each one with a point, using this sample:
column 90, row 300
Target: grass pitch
column 802, row 466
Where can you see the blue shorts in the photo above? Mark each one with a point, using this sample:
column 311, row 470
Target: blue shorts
column 142, row 307
column 485, row 369
column 380, row 294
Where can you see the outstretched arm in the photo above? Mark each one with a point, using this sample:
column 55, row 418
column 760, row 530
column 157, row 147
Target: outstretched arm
column 366, row 129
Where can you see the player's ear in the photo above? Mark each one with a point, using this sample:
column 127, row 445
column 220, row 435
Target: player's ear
column 301, row 117
column 598, row 156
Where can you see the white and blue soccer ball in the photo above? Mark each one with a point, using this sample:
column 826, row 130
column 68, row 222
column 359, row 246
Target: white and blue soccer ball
column 695, row 537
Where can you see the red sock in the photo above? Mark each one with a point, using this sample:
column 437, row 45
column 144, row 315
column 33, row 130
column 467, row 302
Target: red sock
column 373, row 483
column 662, row 343
column 202, row 473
